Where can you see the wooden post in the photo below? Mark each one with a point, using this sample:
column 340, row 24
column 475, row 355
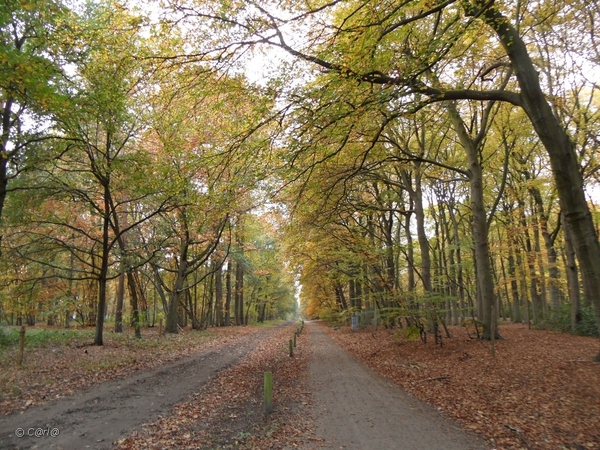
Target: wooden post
column 291, row 347
column 268, row 388
column 493, row 335
column 295, row 339
column 159, row 328
column 21, row 345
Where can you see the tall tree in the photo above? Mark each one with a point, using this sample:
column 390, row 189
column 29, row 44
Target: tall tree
column 33, row 46
column 394, row 47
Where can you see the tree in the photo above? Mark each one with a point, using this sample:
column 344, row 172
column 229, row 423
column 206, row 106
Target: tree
column 395, row 48
column 204, row 139
column 95, row 162
column 33, row 44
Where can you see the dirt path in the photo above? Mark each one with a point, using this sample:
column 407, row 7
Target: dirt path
column 350, row 405
column 95, row 418
column 355, row 408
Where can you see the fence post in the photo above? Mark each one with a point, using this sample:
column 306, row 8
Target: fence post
column 268, row 388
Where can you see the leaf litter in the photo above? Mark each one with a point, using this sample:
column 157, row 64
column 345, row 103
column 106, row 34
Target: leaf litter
column 228, row 412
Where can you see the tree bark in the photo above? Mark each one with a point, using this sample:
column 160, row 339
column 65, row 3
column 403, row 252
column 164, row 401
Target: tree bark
column 119, row 308
column 219, row 295
column 572, row 277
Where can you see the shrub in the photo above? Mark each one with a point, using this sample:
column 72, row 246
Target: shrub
column 8, row 336
column 412, row 333
column 561, row 321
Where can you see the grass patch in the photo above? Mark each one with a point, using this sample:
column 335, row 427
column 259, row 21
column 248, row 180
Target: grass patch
column 43, row 337
column 270, row 323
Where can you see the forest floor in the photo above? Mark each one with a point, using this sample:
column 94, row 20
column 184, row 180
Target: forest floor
column 204, row 390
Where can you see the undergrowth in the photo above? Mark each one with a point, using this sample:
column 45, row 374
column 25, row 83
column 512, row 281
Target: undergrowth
column 561, row 321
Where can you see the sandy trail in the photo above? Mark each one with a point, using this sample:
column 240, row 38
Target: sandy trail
column 352, row 407
column 103, row 414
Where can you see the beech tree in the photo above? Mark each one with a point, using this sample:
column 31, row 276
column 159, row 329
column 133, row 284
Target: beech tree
column 34, row 43
column 432, row 159
column 395, row 47
column 94, row 159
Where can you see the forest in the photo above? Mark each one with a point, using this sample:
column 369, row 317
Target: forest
column 224, row 162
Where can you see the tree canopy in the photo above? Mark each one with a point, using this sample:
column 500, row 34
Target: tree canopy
column 419, row 161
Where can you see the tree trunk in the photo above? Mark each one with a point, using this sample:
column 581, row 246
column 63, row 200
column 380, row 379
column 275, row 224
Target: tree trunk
column 410, row 259
column 447, row 267
column 71, row 297
column 533, row 289
column 541, row 268
column 388, row 229
column 560, row 149
column 119, row 308
column 172, row 318
column 211, row 294
column 572, row 277
column 7, row 123
column 159, row 289
column 514, row 288
column 341, row 298
column 103, row 275
column 120, row 222
column 352, row 292
column 484, row 279
column 459, row 268
column 228, row 292
column 523, row 285
column 550, row 250
column 505, row 283
column 133, row 296
column 219, row 296
column 416, row 195
column 239, row 293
